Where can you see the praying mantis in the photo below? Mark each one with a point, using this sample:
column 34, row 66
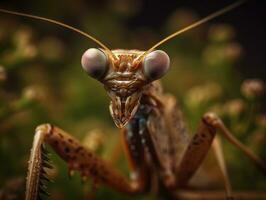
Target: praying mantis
column 150, row 120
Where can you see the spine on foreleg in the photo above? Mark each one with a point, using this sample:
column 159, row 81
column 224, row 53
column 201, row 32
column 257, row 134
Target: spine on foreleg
column 36, row 177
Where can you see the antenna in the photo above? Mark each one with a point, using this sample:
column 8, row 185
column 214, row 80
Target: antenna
column 195, row 24
column 60, row 24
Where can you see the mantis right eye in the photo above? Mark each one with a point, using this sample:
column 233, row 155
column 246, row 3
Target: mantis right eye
column 156, row 64
column 94, row 62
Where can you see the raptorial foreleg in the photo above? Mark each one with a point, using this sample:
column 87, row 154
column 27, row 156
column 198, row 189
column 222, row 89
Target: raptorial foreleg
column 77, row 157
column 200, row 145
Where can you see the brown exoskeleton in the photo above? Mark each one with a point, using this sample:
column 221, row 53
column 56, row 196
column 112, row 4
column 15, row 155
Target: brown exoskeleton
column 151, row 123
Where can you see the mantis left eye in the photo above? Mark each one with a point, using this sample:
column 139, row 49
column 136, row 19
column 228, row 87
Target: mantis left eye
column 156, row 64
column 94, row 62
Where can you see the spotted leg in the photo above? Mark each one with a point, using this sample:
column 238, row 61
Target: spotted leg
column 201, row 143
column 77, row 158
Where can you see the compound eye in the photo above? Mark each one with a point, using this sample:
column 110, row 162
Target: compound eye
column 156, row 64
column 94, row 62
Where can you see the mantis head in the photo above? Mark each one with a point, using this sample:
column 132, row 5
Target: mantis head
column 124, row 73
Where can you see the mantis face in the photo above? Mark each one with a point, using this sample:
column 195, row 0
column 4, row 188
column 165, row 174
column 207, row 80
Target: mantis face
column 124, row 75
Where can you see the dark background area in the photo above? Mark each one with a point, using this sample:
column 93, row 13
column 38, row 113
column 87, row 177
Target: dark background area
column 249, row 20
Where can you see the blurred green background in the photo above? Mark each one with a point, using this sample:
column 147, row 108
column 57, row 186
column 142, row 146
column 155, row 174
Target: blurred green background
column 42, row 81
